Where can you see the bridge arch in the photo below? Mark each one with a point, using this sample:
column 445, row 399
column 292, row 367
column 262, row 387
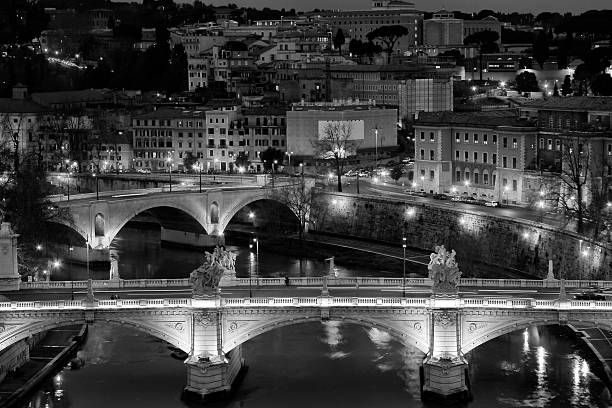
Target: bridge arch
column 523, row 324
column 171, row 334
column 404, row 337
column 236, row 207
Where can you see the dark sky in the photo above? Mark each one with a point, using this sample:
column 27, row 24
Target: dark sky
column 534, row 6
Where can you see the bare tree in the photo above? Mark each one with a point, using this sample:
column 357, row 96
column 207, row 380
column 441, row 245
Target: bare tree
column 299, row 198
column 574, row 177
column 13, row 125
column 335, row 144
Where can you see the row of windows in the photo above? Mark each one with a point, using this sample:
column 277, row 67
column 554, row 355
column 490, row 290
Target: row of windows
column 462, row 177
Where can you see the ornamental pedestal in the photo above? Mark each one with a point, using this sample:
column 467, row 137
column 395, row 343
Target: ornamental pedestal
column 445, row 380
column 9, row 275
column 213, row 377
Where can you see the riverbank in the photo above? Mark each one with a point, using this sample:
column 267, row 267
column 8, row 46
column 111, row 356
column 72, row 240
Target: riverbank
column 46, row 358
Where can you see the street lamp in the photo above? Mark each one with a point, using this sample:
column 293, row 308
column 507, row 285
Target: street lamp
column 467, row 187
column 198, row 166
column 256, row 241
column 241, row 171
column 250, row 268
column 289, row 155
column 376, row 146
column 169, row 161
column 423, row 183
column 404, row 265
column 506, row 188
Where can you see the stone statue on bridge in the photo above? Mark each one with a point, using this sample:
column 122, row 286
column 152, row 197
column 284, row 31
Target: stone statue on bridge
column 114, row 264
column 205, row 279
column 444, row 271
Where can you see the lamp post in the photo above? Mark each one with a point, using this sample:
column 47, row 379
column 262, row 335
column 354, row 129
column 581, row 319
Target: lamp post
column 169, row 161
column 404, row 267
column 376, row 146
column 506, row 193
column 256, row 241
column 423, row 183
column 71, row 248
column 250, row 274
column 198, row 166
column 541, row 207
column 241, row 171
column 467, row 187
column 289, row 165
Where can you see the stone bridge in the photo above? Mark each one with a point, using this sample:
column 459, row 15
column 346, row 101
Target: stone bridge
column 208, row 212
column 211, row 331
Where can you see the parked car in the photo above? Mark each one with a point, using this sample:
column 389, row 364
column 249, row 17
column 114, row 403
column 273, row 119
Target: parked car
column 589, row 295
column 469, row 200
column 440, row 197
column 455, row 198
column 492, row 204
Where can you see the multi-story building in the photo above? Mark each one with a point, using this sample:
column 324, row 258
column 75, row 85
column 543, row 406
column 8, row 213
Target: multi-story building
column 443, row 29
column 112, row 153
column 359, row 23
column 264, row 127
column 164, row 137
column 222, row 137
column 483, row 155
column 580, row 123
column 371, row 127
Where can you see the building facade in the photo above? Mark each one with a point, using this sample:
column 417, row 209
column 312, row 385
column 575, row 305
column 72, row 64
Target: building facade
column 482, row 155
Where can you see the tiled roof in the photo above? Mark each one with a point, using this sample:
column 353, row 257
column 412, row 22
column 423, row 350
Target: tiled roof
column 8, row 105
column 172, row 113
column 575, row 103
column 265, row 111
column 496, row 118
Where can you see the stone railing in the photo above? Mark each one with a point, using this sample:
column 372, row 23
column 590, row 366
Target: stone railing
column 321, row 301
column 316, row 281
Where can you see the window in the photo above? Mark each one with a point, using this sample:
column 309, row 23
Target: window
column 609, row 149
column 514, row 162
column 504, row 182
column 558, row 144
column 484, row 158
column 466, row 137
column 211, row 153
column 514, row 185
column 475, row 157
column 457, row 137
column 457, row 154
column 422, row 154
column 431, row 137
column 466, row 156
column 458, row 175
column 485, row 178
column 222, row 131
column 494, row 161
column 475, row 137
column 211, row 131
column 504, row 162
column 541, row 143
column 431, row 155
column 505, row 140
column 422, row 135
column 550, row 144
column 485, row 139
column 431, row 175
column 494, row 139
column 475, row 178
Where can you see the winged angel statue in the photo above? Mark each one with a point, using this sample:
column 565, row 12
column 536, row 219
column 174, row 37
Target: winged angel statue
column 205, row 279
column 443, row 270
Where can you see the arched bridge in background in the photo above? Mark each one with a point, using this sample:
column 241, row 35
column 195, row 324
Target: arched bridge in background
column 207, row 212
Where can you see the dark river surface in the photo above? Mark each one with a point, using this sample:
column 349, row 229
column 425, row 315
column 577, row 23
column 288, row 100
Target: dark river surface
column 328, row 364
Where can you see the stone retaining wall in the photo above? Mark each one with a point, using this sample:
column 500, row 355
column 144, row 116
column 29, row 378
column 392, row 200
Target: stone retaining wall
column 481, row 240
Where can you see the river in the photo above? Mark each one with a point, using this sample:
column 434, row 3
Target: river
column 328, row 364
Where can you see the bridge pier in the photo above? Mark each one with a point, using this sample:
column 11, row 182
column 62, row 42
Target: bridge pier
column 444, row 374
column 214, row 377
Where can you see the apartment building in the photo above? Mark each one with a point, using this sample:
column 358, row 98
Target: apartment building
column 484, row 155
column 264, row 127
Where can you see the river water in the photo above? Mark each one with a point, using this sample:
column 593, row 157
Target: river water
column 329, row 364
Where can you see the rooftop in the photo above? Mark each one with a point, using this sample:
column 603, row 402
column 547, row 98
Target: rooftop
column 574, row 103
column 496, row 118
column 8, row 105
column 172, row 113
column 64, row 97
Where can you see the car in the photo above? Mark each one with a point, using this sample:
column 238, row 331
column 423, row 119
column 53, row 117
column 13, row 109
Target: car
column 440, row 197
column 492, row 204
column 455, row 198
column 469, row 200
column 589, row 295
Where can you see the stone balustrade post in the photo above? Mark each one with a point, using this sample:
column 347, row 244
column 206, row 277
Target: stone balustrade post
column 9, row 273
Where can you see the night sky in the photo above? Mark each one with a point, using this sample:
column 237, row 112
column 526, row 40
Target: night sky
column 534, row 6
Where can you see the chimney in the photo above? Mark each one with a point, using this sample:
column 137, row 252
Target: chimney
column 20, row 91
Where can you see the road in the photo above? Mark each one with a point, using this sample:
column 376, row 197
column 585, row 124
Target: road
column 396, row 191
column 292, row 291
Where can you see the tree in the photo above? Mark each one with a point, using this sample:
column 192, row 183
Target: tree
column 486, row 42
column 339, row 40
column 335, row 144
column 271, row 157
column 396, row 172
column 566, row 88
column 189, row 161
column 242, row 160
column 574, row 175
column 556, row 90
column 541, row 50
column 602, row 85
column 299, row 198
column 389, row 36
column 527, row 82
